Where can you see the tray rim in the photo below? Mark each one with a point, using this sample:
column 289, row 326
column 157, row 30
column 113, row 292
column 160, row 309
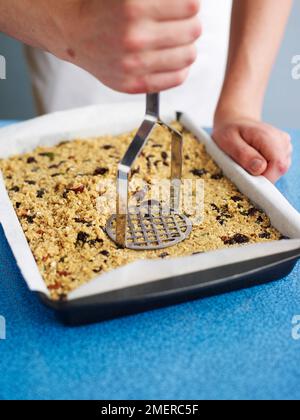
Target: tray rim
column 97, row 308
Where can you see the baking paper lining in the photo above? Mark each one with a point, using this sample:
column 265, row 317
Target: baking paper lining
column 113, row 120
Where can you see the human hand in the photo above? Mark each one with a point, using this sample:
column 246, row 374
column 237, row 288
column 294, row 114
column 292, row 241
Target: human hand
column 132, row 46
column 258, row 147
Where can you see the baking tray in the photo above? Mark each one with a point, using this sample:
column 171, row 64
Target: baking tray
column 126, row 291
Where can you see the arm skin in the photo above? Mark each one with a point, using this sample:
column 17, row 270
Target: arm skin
column 131, row 46
column 256, row 33
column 30, row 21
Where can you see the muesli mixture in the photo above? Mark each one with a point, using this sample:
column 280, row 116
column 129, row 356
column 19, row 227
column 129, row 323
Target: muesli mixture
column 55, row 190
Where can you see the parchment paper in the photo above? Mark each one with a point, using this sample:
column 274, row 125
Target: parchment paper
column 116, row 119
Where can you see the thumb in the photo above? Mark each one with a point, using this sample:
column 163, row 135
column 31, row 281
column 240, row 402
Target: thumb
column 241, row 152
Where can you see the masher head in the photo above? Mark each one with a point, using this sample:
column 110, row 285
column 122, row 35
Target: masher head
column 150, row 226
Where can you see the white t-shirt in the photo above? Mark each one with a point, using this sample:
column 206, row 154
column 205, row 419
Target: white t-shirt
column 59, row 85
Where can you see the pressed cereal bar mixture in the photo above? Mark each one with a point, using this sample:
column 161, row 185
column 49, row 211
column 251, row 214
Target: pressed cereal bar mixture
column 54, row 191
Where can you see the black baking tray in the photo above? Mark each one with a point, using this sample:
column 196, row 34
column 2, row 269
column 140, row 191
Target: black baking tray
column 174, row 290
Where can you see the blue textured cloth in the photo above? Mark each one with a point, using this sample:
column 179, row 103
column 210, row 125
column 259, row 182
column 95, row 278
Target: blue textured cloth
column 235, row 346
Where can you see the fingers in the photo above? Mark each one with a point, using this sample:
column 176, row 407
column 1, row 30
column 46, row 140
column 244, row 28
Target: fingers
column 231, row 142
column 274, row 145
column 160, row 61
column 277, row 168
column 173, row 9
column 178, row 33
column 155, row 58
column 157, row 45
column 158, row 36
column 155, row 82
column 166, row 10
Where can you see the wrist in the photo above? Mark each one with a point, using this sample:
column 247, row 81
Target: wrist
column 234, row 108
column 241, row 98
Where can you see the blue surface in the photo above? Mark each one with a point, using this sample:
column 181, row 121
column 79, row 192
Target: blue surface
column 235, row 346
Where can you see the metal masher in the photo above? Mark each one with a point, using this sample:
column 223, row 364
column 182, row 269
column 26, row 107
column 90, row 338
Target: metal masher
column 149, row 225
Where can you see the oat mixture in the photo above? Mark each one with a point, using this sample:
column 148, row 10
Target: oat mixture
column 55, row 190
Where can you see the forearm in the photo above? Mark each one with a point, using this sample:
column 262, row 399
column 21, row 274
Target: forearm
column 256, row 33
column 30, row 21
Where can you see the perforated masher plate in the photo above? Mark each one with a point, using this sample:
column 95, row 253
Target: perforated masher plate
column 151, row 226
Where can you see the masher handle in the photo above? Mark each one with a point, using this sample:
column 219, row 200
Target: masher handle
column 152, row 105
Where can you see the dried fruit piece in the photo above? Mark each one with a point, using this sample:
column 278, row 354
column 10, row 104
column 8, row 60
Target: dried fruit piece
column 96, row 241
column 105, row 253
column 65, row 194
column 253, row 211
column 58, row 165
column 244, row 213
column 236, row 239
column 136, row 171
column 284, row 238
column 30, row 182
column 199, row 172
column 236, row 198
column 100, row 171
column 77, row 189
column 15, row 189
column 224, row 214
column 149, row 162
column 55, row 286
column 30, row 219
column 49, row 155
column 164, row 155
column 265, row 235
column 221, row 220
column 63, row 273
column 83, row 222
column 82, row 238
column 40, row 193
column 215, row 207
column 217, row 176
column 31, row 160
column 164, row 255
column 97, row 271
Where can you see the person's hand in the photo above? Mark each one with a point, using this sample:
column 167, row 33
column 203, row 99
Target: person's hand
column 258, row 147
column 132, row 46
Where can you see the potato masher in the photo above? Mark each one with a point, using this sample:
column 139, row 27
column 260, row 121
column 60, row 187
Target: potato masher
column 150, row 225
